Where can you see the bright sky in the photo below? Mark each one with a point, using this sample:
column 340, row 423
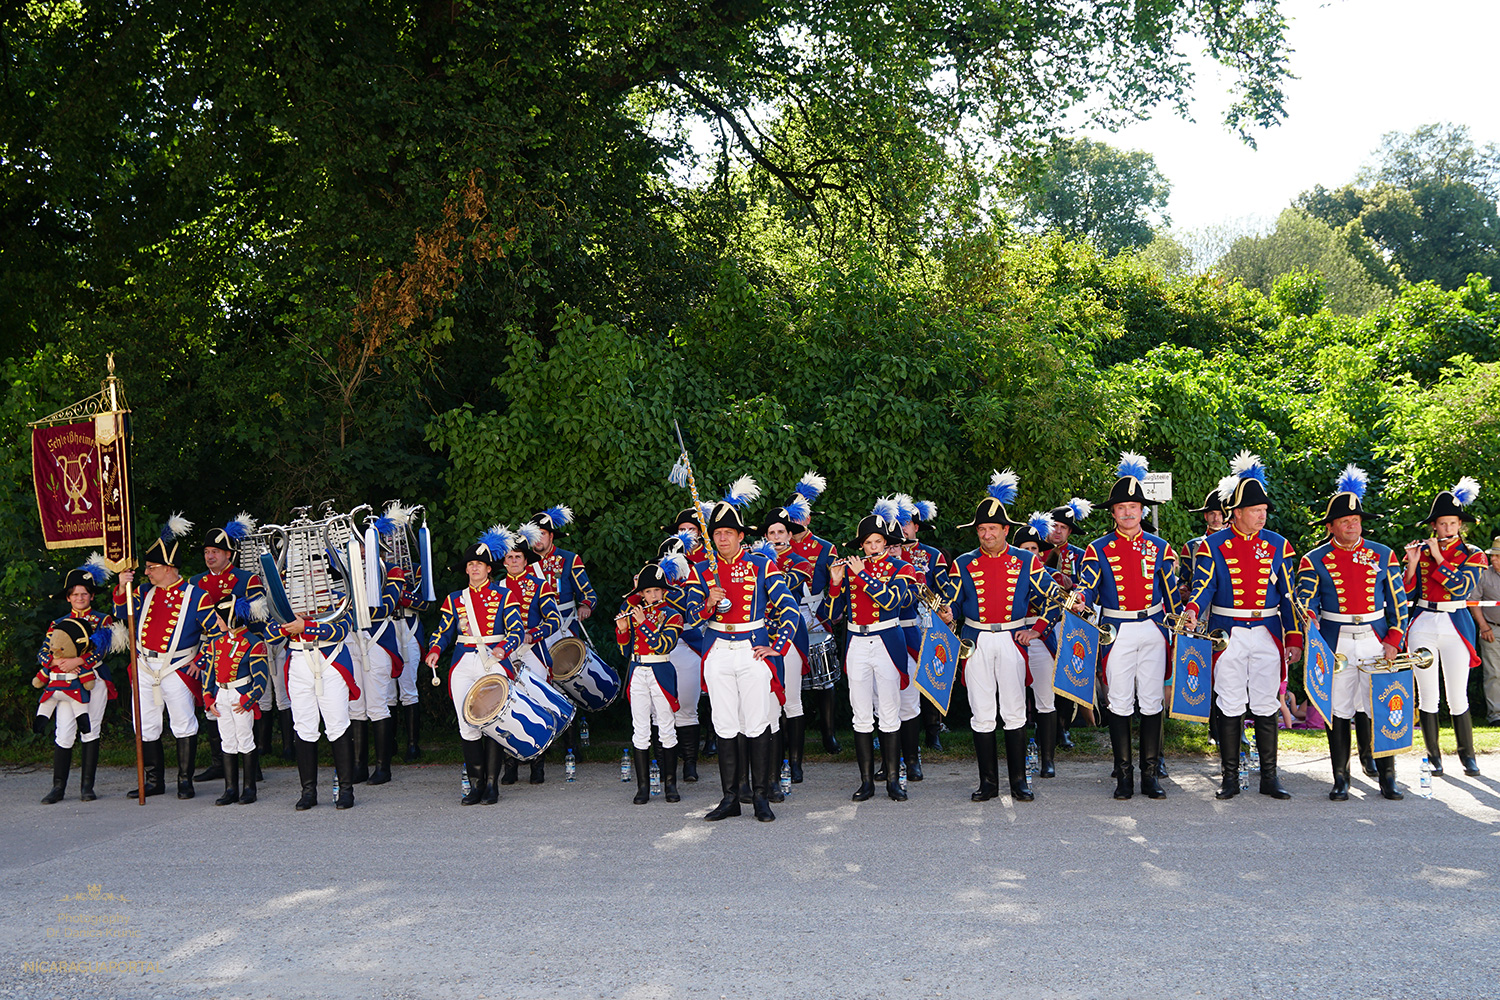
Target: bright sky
column 1366, row 67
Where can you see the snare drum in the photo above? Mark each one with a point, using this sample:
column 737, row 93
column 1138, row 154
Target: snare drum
column 822, row 665
column 583, row 675
column 511, row 715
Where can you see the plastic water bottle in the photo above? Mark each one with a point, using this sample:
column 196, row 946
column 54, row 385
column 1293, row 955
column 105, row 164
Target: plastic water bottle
column 877, row 742
column 1424, row 781
column 786, row 777
column 1033, row 764
column 1244, row 771
column 901, row 775
column 463, row 780
column 570, row 767
column 655, row 778
column 1254, row 758
column 336, row 785
column 583, row 732
column 625, row 764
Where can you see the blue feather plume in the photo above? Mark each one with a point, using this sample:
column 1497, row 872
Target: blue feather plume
column 675, row 567
column 95, row 568
column 1465, row 490
column 811, row 486
column 1003, row 486
column 1352, row 480
column 886, row 509
column 1133, row 465
column 798, row 509
column 560, row 515
column 385, row 525
column 497, row 540
column 765, row 548
column 742, row 492
column 1081, row 508
column 1041, row 523
column 906, row 508
column 926, row 511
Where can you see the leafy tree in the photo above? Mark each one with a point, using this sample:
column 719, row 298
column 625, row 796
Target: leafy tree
column 1082, row 189
column 1302, row 242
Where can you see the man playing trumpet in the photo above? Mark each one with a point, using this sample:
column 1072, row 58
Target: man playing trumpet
column 1128, row 572
column 1352, row 591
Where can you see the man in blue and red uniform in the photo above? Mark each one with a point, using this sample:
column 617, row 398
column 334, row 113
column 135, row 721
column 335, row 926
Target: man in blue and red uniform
column 223, row 577
column 1065, row 559
column 542, row 621
column 1243, row 583
column 647, row 630
column 745, row 593
column 993, row 588
column 235, row 670
column 791, row 735
column 1128, row 575
column 173, row 619
column 1351, row 588
column 1442, row 575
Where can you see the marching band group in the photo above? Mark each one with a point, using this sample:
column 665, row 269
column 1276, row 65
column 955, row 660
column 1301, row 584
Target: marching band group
column 766, row 629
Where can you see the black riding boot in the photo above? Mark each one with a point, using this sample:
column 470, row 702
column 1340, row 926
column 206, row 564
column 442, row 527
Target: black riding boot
column 262, row 730
column 669, row 774
column 796, row 743
column 729, row 781
column 763, row 774
column 864, row 755
column 1161, row 742
column 538, row 770
column 932, row 723
column 510, row 766
column 989, row 768
column 827, row 724
column 251, row 776
column 360, row 741
column 62, row 760
column 474, row 751
column 288, row 734
column 490, row 775
column 1364, row 732
column 1387, row 773
column 307, row 773
column 710, row 738
column 343, row 767
column 778, row 754
column 381, row 730
column 231, row 781
column 1463, row 733
column 86, row 768
column 1046, row 744
column 890, row 753
column 1229, row 755
column 1364, row 736
column 154, row 759
column 413, row 724
column 1430, row 737
column 1151, row 756
column 687, row 742
column 1119, row 744
column 641, row 759
column 1338, row 757
column 1065, row 713
column 742, row 750
column 1015, row 764
column 1265, row 743
column 215, row 769
column 187, row 749
column 911, row 749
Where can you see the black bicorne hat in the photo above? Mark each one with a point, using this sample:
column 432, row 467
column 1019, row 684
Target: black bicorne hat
column 1245, row 486
column 1129, row 487
column 651, row 575
column 1451, row 503
column 166, row 549
column 1210, row 503
column 1348, row 492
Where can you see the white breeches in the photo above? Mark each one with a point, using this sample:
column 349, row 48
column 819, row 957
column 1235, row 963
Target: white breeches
column 1248, row 673
column 308, row 706
column 649, row 704
column 1043, row 666
column 995, row 676
column 1435, row 631
column 1137, row 668
column 1351, row 687
column 740, row 687
column 466, row 671
column 689, row 683
column 411, row 659
column 874, row 684
column 275, row 695
column 236, row 729
column 173, row 694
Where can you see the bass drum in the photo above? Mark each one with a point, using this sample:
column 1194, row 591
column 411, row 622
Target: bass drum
column 582, row 675
column 513, row 716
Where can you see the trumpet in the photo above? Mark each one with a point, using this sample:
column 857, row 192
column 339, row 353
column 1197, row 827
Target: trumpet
column 932, row 602
column 1418, row 659
column 1070, row 601
column 1218, row 637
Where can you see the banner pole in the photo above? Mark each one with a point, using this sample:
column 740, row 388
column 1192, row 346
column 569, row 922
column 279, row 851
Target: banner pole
column 135, row 696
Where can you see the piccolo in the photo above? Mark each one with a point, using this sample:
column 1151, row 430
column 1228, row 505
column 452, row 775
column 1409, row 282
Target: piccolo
column 637, row 607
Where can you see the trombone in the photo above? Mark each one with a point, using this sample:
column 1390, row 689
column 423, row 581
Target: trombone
column 1070, row 602
column 1418, row 659
column 1218, row 637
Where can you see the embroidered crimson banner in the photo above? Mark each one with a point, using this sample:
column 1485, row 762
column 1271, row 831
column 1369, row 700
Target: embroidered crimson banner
column 65, row 469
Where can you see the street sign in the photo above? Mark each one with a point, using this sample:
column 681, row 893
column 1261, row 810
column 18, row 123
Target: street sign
column 1157, row 486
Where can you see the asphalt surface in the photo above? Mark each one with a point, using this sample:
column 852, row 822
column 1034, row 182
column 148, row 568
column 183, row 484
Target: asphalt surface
column 570, row 891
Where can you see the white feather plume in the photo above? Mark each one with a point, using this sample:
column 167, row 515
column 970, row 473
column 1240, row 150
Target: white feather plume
column 530, row 533
column 744, row 490
column 1243, row 463
column 399, row 512
column 1466, row 490
column 1081, row 508
column 260, row 608
column 244, row 519
column 119, row 638
column 178, row 525
column 1226, row 487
